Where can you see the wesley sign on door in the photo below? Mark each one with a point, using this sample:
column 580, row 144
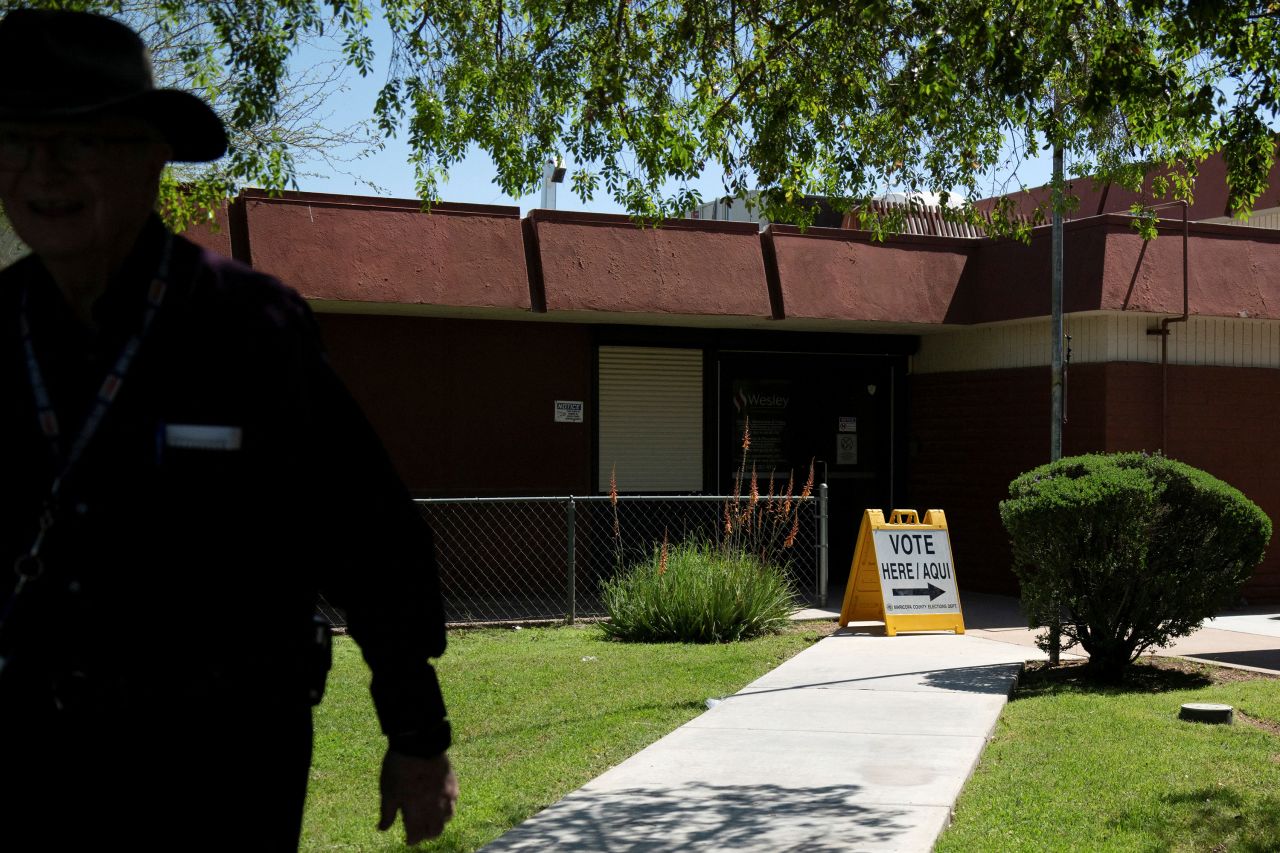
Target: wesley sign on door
column 916, row 574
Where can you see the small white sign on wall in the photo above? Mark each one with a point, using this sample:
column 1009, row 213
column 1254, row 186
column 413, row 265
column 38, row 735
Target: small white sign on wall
column 568, row 411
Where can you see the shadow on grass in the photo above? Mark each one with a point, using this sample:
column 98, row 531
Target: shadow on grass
column 1141, row 677
column 713, row 817
column 1213, row 817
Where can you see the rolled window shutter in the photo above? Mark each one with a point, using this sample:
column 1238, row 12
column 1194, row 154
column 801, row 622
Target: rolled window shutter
column 650, row 418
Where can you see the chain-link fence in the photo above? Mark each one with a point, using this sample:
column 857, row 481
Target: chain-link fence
column 544, row 558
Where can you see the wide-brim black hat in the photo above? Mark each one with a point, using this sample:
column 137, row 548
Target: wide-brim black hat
column 67, row 65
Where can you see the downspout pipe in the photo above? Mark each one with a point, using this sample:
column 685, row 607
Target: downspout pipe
column 1163, row 331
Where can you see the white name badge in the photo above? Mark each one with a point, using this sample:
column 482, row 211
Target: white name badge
column 203, row 436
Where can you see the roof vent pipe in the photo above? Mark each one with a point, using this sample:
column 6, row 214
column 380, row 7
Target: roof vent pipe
column 552, row 174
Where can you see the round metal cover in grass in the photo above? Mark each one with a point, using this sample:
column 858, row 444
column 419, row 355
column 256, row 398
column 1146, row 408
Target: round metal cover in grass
column 1206, row 712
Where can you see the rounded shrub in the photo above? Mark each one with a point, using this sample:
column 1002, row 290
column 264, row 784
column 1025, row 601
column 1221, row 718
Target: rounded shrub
column 1129, row 550
column 697, row 592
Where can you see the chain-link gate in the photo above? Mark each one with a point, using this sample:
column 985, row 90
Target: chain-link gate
column 544, row 558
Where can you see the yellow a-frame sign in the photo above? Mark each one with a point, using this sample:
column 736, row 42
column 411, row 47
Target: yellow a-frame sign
column 903, row 574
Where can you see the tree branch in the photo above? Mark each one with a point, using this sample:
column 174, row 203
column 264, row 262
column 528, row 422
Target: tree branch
column 775, row 50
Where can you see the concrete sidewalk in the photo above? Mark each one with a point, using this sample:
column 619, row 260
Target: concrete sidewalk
column 859, row 743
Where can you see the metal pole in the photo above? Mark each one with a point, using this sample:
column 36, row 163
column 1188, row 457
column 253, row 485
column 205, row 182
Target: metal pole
column 822, row 544
column 1055, row 334
column 571, row 519
column 548, row 185
column 1055, row 318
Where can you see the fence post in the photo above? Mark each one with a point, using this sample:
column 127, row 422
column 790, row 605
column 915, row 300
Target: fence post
column 822, row 544
column 573, row 547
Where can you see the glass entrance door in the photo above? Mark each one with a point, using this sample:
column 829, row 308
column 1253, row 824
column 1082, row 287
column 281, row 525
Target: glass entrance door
column 836, row 411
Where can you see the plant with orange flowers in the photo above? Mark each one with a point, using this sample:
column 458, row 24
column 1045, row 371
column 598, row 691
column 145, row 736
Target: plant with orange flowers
column 730, row 586
column 764, row 525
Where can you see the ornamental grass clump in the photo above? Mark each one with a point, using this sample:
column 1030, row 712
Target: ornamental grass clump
column 697, row 592
column 1130, row 550
column 702, row 591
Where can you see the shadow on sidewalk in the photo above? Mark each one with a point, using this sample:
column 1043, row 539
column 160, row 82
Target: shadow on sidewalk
column 991, row 679
column 720, row 817
column 1268, row 659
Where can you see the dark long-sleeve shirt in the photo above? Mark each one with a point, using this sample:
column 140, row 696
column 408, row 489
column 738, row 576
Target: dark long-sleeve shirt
column 233, row 480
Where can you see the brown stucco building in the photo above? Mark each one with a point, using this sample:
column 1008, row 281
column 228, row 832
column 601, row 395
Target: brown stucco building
column 915, row 371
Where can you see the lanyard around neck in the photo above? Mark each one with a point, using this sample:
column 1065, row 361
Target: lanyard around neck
column 107, row 391
column 30, row 566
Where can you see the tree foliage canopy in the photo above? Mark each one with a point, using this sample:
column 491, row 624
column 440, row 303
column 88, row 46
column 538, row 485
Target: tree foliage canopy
column 841, row 98
column 832, row 97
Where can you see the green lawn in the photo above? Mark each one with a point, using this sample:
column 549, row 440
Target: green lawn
column 1075, row 768
column 536, row 714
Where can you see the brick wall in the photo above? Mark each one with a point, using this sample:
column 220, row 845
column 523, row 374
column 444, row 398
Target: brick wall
column 971, row 433
column 1224, row 419
column 465, row 407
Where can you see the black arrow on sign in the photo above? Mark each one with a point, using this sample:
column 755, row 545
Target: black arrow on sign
column 931, row 591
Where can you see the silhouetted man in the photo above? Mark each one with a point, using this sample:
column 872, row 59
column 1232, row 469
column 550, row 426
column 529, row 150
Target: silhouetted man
column 182, row 476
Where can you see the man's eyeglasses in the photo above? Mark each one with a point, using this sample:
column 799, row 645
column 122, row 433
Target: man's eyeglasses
column 75, row 152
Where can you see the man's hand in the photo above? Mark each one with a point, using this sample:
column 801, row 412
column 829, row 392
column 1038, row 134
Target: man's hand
column 424, row 790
